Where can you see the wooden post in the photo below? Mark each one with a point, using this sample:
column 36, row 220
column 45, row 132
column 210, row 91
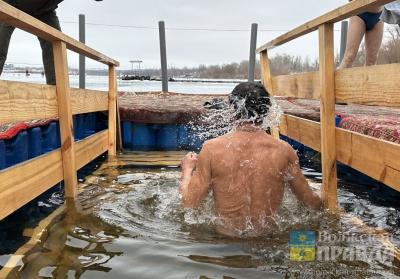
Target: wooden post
column 266, row 80
column 253, row 46
column 266, row 77
column 328, row 133
column 65, row 118
column 119, row 132
column 82, row 58
column 343, row 39
column 163, row 55
column 112, row 110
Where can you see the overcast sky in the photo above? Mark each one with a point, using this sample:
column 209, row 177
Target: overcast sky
column 185, row 48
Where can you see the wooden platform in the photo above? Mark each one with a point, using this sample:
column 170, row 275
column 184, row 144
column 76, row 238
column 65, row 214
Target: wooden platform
column 153, row 158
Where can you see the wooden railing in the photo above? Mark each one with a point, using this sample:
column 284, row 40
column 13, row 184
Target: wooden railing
column 373, row 85
column 22, row 101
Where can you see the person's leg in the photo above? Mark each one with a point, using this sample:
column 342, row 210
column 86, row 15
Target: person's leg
column 47, row 47
column 373, row 41
column 355, row 34
column 5, row 37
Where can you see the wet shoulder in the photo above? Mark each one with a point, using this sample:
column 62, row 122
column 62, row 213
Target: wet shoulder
column 281, row 146
column 213, row 144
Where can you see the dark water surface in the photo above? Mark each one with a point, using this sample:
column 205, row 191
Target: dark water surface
column 127, row 223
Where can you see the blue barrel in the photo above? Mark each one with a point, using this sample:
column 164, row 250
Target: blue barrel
column 58, row 135
column 127, row 134
column 168, row 137
column 183, row 137
column 78, row 127
column 35, row 142
column 17, row 150
column 101, row 122
column 2, row 154
column 144, row 137
column 89, row 124
column 337, row 120
column 298, row 146
column 49, row 137
column 195, row 141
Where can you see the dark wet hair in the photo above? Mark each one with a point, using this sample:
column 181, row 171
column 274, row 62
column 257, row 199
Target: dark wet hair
column 251, row 101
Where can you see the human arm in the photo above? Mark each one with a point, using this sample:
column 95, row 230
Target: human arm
column 196, row 178
column 299, row 184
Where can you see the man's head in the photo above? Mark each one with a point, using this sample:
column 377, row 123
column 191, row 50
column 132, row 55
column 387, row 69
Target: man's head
column 251, row 102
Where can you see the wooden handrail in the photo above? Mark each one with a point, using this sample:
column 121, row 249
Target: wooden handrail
column 374, row 157
column 353, row 8
column 54, row 101
column 19, row 19
column 23, row 182
column 322, row 84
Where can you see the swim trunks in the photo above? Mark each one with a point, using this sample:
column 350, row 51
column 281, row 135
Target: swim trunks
column 370, row 19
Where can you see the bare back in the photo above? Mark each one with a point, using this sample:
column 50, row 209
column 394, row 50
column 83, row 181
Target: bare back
column 246, row 171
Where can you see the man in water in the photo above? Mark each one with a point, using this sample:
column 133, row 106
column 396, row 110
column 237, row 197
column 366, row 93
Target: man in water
column 43, row 10
column 246, row 170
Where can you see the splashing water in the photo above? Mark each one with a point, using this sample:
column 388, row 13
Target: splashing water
column 151, row 206
column 218, row 122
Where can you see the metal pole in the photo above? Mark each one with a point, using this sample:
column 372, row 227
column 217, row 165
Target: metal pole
column 253, row 45
column 343, row 39
column 82, row 62
column 163, row 52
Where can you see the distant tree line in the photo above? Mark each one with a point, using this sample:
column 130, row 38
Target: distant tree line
column 281, row 64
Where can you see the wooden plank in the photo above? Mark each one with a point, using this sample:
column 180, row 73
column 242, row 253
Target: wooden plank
column 119, row 130
column 353, row 8
column 24, row 182
column 328, row 145
column 112, row 110
column 302, row 130
column 19, row 19
column 20, row 101
column 90, row 148
column 155, row 164
column 152, row 154
column 65, row 119
column 266, row 76
column 377, row 158
column 372, row 85
column 86, row 101
column 353, row 149
column 305, row 85
column 152, row 158
column 266, row 80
